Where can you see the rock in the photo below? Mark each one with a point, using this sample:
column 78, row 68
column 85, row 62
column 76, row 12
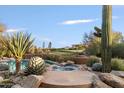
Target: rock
column 4, row 66
column 82, row 59
column 49, row 68
column 1, row 79
column 32, row 81
column 18, row 80
column 70, row 62
column 97, row 83
column 89, row 69
column 100, row 84
column 63, row 63
column 83, row 67
column 112, row 80
column 16, row 86
column 118, row 73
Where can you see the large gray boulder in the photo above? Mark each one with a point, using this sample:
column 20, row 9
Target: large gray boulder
column 118, row 73
column 112, row 80
column 32, row 81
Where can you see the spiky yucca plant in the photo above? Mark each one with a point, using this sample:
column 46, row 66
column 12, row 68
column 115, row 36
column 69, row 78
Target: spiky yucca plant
column 36, row 66
column 18, row 44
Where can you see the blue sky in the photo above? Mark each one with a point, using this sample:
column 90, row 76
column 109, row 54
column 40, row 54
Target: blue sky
column 62, row 25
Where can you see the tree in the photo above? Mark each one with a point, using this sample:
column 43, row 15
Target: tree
column 93, row 44
column 18, row 44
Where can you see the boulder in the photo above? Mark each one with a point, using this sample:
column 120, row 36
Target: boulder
column 32, row 81
column 112, row 80
column 63, row 63
column 1, row 79
column 118, row 73
column 82, row 59
column 97, row 83
column 70, row 62
column 16, row 86
column 18, row 79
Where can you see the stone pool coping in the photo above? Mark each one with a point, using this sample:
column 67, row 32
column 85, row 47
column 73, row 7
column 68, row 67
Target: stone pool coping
column 67, row 79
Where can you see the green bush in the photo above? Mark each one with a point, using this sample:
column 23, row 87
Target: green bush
column 97, row 67
column 95, row 63
column 92, row 60
column 117, row 64
column 58, row 57
column 117, row 50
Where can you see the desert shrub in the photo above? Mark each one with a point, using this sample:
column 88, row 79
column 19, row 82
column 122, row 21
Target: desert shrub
column 92, row 60
column 97, row 67
column 117, row 64
column 117, row 50
column 58, row 57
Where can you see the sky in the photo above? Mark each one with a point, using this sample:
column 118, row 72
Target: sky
column 61, row 25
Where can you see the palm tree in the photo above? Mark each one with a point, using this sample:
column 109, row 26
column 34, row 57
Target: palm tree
column 18, row 44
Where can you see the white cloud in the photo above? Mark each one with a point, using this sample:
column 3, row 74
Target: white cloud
column 70, row 22
column 15, row 30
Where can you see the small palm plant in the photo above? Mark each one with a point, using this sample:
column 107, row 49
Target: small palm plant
column 18, row 44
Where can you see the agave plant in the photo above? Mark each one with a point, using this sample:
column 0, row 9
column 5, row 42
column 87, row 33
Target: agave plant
column 18, row 44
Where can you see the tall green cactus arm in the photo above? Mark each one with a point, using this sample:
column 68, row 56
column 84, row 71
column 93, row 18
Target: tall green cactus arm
column 98, row 32
column 97, row 29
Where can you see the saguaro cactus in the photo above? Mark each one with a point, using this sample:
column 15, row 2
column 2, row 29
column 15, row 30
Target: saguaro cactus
column 106, row 40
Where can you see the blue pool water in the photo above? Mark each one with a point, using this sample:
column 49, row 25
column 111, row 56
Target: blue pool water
column 12, row 65
column 24, row 64
column 56, row 66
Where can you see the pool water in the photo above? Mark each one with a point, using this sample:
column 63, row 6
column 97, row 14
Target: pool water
column 24, row 64
column 12, row 65
column 55, row 66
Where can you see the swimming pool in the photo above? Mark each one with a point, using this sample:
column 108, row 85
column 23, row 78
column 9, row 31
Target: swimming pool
column 24, row 64
column 55, row 66
column 12, row 65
